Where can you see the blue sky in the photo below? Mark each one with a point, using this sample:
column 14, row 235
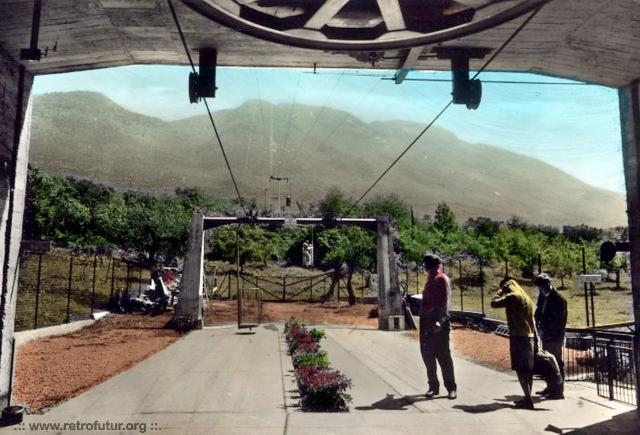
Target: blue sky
column 575, row 128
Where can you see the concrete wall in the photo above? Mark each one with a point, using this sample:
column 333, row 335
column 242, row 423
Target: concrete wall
column 15, row 86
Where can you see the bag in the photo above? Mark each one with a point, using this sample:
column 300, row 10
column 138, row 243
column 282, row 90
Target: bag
column 545, row 365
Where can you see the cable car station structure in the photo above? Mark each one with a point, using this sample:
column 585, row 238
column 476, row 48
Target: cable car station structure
column 587, row 40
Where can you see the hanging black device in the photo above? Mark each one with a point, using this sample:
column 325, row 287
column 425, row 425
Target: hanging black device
column 202, row 84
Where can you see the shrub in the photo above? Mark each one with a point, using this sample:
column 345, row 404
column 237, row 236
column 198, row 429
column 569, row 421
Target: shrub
column 323, row 389
column 318, row 359
column 317, row 334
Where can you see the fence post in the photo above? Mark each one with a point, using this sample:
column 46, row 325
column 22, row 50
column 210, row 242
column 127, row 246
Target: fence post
column 113, row 275
column 417, row 280
column 126, row 284
column 284, row 288
column 481, row 287
column 586, row 296
column 592, row 288
column 69, row 289
column 35, row 323
column 228, row 285
column 93, row 283
column 611, row 371
column 461, row 294
column 506, row 267
column 139, row 281
column 539, row 263
column 311, row 290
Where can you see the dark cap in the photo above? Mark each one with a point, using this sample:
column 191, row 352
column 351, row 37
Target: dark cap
column 542, row 280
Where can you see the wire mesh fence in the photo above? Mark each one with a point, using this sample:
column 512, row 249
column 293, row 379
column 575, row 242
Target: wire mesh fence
column 59, row 286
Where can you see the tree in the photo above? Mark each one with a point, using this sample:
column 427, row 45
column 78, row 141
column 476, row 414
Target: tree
column 482, row 226
column 619, row 264
column 445, row 220
column 582, row 233
column 335, row 202
column 563, row 257
column 390, row 205
column 352, row 246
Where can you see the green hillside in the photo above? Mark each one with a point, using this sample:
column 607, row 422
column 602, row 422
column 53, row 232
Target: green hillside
column 85, row 134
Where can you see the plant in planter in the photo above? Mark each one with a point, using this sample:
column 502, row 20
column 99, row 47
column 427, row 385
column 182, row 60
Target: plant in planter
column 321, row 388
column 312, row 359
column 317, row 334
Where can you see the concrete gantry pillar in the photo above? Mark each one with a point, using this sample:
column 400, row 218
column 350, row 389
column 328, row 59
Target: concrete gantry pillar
column 188, row 313
column 629, row 97
column 389, row 295
column 14, row 154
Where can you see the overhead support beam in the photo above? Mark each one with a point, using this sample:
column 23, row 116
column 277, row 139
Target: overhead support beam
column 392, row 14
column 325, row 14
column 211, row 222
column 408, row 63
column 629, row 98
column 371, row 224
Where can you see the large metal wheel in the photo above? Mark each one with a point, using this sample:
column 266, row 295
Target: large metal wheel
column 361, row 25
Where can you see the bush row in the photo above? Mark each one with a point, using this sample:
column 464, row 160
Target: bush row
column 321, row 387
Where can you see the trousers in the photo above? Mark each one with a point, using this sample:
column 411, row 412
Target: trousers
column 435, row 351
column 555, row 347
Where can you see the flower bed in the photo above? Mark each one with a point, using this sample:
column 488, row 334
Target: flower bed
column 321, row 387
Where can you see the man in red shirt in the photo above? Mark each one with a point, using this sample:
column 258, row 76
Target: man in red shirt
column 435, row 327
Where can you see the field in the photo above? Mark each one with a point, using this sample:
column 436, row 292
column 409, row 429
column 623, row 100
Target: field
column 55, row 289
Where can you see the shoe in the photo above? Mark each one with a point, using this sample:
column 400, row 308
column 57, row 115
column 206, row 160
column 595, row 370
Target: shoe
column 524, row 404
column 432, row 392
column 452, row 395
column 555, row 396
column 544, row 392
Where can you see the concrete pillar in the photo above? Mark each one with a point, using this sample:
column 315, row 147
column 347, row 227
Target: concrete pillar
column 630, row 124
column 15, row 88
column 190, row 300
column 389, row 303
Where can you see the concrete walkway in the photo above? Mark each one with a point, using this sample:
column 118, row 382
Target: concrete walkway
column 222, row 381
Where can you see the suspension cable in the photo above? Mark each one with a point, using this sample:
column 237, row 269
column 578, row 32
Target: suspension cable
column 449, row 104
column 206, row 104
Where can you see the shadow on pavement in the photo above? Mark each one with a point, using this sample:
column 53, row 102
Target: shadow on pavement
column 507, row 402
column 390, row 403
column 482, row 408
column 626, row 423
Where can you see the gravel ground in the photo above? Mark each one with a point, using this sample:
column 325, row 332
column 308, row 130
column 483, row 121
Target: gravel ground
column 54, row 369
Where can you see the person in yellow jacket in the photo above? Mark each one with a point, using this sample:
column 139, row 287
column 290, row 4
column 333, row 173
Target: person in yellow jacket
column 519, row 309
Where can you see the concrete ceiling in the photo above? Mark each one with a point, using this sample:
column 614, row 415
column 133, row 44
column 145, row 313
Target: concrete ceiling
column 591, row 40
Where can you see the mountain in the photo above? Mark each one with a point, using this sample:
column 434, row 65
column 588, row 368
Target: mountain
column 87, row 135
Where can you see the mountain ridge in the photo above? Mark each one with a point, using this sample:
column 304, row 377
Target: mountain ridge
column 88, row 135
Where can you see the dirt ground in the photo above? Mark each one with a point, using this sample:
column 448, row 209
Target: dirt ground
column 53, row 369
column 221, row 312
